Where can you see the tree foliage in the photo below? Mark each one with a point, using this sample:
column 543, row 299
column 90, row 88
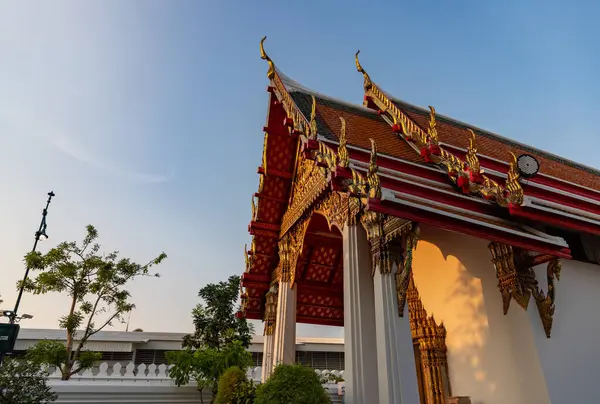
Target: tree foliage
column 292, row 384
column 220, row 339
column 96, row 285
column 24, row 382
column 215, row 322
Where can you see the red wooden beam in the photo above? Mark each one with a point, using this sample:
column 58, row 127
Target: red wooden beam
column 461, row 226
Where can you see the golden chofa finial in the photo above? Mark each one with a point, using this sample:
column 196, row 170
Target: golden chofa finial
column 513, row 186
column 343, row 158
column 432, row 131
column 264, row 56
column 471, row 156
column 368, row 83
column 372, row 177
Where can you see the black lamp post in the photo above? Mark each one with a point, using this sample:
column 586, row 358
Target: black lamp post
column 38, row 234
column 9, row 332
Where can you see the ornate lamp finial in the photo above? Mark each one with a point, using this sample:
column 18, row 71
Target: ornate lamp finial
column 264, row 56
column 368, row 83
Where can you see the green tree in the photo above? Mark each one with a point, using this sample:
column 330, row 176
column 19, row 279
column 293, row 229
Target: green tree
column 220, row 339
column 96, row 285
column 24, row 382
column 215, row 322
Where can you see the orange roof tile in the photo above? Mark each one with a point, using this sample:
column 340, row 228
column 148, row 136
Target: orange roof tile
column 454, row 133
column 361, row 124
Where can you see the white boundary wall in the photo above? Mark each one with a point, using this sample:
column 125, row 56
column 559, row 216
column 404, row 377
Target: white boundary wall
column 144, row 384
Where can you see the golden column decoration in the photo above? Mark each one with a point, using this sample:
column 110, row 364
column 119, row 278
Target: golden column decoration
column 431, row 339
column 270, row 312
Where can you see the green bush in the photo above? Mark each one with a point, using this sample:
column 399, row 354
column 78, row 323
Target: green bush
column 235, row 388
column 292, row 384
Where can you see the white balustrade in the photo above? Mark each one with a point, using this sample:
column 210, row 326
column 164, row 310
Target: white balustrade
column 108, row 383
column 114, row 373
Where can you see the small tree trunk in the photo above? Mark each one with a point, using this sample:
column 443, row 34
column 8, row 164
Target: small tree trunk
column 66, row 371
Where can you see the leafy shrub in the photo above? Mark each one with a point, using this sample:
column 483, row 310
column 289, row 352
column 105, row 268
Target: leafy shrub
column 292, row 384
column 229, row 384
column 206, row 365
column 24, row 382
column 245, row 393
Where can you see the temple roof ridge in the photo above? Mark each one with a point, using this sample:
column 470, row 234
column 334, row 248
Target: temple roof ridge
column 493, row 135
column 292, row 86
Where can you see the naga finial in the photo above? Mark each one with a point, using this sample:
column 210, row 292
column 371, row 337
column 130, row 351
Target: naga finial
column 253, row 208
column 513, row 186
column 343, row 158
column 432, row 131
column 471, row 156
column 372, row 176
column 368, row 83
column 264, row 56
column 313, row 119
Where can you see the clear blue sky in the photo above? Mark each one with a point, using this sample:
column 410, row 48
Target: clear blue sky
column 145, row 117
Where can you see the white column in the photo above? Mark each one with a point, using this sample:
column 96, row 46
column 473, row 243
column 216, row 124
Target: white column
column 285, row 326
column 395, row 356
column 267, row 363
column 359, row 319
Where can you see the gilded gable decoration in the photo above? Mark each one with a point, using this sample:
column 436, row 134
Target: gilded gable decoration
column 428, row 145
column 432, row 135
column 372, row 176
column 343, row 159
column 513, row 187
column 313, row 119
column 471, row 157
column 516, row 280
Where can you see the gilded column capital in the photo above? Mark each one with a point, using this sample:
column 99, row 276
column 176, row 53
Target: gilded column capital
column 384, row 234
column 270, row 311
column 404, row 273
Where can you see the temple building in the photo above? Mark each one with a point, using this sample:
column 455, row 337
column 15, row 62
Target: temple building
column 463, row 266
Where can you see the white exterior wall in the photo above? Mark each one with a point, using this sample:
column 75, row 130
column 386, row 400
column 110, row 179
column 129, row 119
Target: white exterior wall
column 571, row 357
column 491, row 357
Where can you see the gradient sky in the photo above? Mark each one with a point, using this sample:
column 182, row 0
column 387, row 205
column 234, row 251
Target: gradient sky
column 145, row 117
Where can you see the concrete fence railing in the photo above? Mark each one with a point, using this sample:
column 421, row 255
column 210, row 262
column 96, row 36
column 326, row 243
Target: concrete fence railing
column 140, row 384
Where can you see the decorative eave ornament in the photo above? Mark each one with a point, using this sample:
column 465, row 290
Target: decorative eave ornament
column 465, row 174
column 264, row 56
column 368, row 83
column 296, row 120
column 313, row 120
column 516, row 280
column 343, row 159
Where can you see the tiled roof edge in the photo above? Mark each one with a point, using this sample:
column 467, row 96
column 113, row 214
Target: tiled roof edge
column 499, row 138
